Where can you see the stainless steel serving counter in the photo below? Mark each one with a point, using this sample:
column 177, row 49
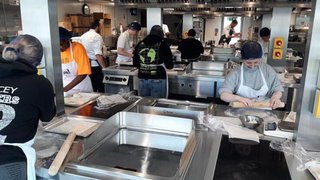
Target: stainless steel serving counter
column 202, row 164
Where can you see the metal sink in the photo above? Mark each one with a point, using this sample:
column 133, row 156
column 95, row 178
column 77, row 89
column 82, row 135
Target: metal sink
column 139, row 146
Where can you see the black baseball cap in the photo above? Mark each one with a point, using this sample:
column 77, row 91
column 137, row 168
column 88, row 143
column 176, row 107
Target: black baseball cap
column 64, row 34
column 135, row 26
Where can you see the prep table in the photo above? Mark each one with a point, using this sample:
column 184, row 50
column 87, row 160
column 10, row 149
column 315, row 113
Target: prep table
column 206, row 156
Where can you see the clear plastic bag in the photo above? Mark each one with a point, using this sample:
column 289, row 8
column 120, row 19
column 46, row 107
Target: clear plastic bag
column 213, row 123
column 289, row 147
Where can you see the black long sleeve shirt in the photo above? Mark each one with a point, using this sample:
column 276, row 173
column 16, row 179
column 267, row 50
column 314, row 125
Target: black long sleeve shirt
column 152, row 51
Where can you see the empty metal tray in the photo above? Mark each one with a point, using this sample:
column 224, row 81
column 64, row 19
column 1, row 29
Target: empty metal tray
column 66, row 124
column 141, row 145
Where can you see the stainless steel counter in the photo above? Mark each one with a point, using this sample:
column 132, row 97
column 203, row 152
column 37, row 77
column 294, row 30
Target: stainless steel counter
column 202, row 165
column 200, row 79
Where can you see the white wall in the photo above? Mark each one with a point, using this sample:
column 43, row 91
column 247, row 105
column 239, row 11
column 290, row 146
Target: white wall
column 246, row 25
column 211, row 24
column 187, row 22
column 65, row 7
column 154, row 17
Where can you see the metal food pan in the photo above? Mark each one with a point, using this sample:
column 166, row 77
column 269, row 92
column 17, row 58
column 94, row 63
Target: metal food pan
column 141, row 145
column 198, row 116
column 139, row 122
column 66, row 124
column 143, row 152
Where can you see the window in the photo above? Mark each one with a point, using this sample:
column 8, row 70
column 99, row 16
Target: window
column 227, row 21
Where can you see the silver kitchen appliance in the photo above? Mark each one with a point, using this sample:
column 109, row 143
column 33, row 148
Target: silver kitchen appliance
column 119, row 78
column 202, row 80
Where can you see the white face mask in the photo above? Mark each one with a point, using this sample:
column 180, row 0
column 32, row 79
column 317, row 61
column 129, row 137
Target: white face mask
column 250, row 69
column 251, row 64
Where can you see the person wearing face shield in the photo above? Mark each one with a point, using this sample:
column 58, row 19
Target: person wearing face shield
column 253, row 80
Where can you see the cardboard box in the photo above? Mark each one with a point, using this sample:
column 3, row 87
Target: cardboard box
column 86, row 21
column 80, row 20
column 107, row 23
column 66, row 25
column 105, row 31
column 97, row 15
column 106, row 16
column 75, row 20
column 78, row 31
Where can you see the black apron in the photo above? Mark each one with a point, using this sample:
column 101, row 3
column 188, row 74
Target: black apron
column 224, row 39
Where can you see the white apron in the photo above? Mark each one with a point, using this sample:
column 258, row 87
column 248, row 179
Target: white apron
column 248, row 92
column 30, row 154
column 69, row 71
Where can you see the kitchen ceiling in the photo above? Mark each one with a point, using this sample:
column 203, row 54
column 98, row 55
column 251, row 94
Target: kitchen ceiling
column 211, row 7
column 216, row 3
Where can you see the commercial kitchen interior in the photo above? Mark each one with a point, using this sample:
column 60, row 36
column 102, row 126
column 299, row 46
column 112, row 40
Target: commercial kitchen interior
column 213, row 155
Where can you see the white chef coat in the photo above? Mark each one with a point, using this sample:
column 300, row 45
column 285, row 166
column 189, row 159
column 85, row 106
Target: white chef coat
column 125, row 42
column 265, row 50
column 93, row 43
column 165, row 29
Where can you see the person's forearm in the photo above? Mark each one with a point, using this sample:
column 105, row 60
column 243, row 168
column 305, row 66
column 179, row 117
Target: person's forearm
column 100, row 60
column 276, row 95
column 74, row 82
column 229, row 97
column 122, row 52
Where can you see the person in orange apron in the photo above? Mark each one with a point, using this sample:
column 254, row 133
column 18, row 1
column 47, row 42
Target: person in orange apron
column 25, row 97
column 75, row 65
column 253, row 80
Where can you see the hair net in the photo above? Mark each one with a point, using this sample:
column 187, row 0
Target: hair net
column 251, row 50
column 25, row 47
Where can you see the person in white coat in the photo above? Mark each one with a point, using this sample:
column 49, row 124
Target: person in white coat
column 253, row 80
column 125, row 46
column 93, row 43
column 264, row 42
column 75, row 65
